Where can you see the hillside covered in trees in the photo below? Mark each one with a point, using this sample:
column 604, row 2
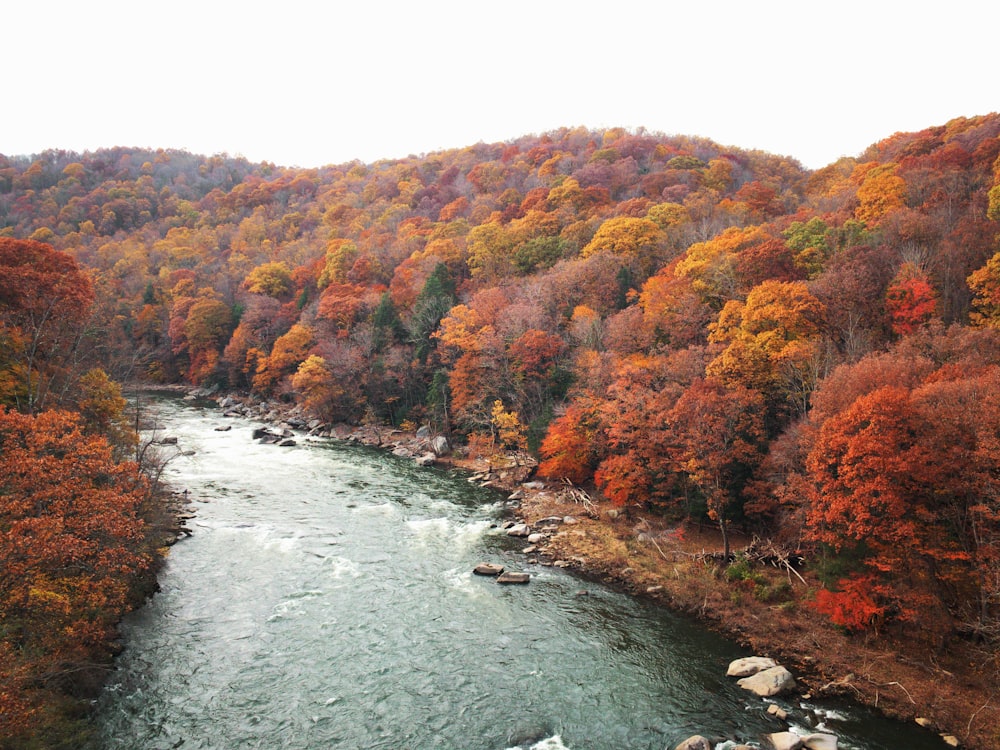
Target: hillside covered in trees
column 715, row 334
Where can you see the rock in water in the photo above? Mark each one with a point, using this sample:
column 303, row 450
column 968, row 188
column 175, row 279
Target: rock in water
column 512, row 577
column 697, row 742
column 440, row 446
column 769, row 682
column 785, row 741
column 488, row 569
column 820, row 741
column 777, row 712
column 749, row 666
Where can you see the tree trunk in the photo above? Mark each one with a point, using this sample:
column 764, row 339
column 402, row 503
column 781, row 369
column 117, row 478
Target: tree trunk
column 725, row 536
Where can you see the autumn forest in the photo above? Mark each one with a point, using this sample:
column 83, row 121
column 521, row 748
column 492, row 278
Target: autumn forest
column 715, row 335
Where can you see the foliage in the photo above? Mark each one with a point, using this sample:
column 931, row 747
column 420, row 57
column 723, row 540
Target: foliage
column 69, row 534
column 910, row 300
column 44, row 299
column 851, row 605
column 710, row 332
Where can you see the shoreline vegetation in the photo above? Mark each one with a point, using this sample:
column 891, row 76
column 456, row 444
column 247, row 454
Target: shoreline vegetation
column 759, row 599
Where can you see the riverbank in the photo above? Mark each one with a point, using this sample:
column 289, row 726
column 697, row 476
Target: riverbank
column 763, row 607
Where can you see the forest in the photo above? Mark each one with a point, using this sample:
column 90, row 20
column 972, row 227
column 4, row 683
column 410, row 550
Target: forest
column 713, row 334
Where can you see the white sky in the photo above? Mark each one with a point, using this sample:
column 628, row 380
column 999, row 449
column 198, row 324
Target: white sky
column 309, row 83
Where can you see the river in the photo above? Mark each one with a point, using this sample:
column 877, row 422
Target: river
column 325, row 599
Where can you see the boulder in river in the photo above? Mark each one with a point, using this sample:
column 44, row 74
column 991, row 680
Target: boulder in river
column 785, row 741
column 697, row 742
column 224, row 428
column 286, row 443
column 777, row 712
column 820, row 741
column 439, row 445
column 488, row 569
column 512, row 577
column 751, row 665
column 519, row 529
column 769, row 682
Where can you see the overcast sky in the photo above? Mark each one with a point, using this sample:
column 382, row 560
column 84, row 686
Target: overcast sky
column 314, row 83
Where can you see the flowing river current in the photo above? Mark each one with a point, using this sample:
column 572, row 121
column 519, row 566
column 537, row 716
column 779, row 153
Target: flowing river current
column 325, row 599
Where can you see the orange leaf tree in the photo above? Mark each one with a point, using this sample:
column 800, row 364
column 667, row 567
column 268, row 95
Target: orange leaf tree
column 719, row 436
column 70, row 532
column 910, row 300
column 44, row 300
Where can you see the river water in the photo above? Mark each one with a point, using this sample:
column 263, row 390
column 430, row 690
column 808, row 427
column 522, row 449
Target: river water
column 326, row 600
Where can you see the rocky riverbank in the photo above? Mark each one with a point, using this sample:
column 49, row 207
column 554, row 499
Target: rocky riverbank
column 765, row 607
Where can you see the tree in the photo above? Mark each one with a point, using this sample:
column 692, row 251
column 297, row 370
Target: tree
column 314, row 381
column 880, row 192
column 903, row 494
column 910, row 300
column 771, row 339
column 720, row 438
column 985, row 284
column 270, row 279
column 102, row 409
column 491, row 248
column 432, row 304
column 44, row 301
column 507, row 427
column 206, row 329
column 289, row 351
column 639, row 466
column 573, row 444
column 808, row 240
column 69, row 545
column 625, row 236
column 711, row 266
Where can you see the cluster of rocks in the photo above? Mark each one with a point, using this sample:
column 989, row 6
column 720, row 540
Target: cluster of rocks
column 500, row 573
column 178, row 512
column 539, row 535
column 424, row 448
column 284, row 437
column 285, row 422
column 765, row 678
column 508, row 471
